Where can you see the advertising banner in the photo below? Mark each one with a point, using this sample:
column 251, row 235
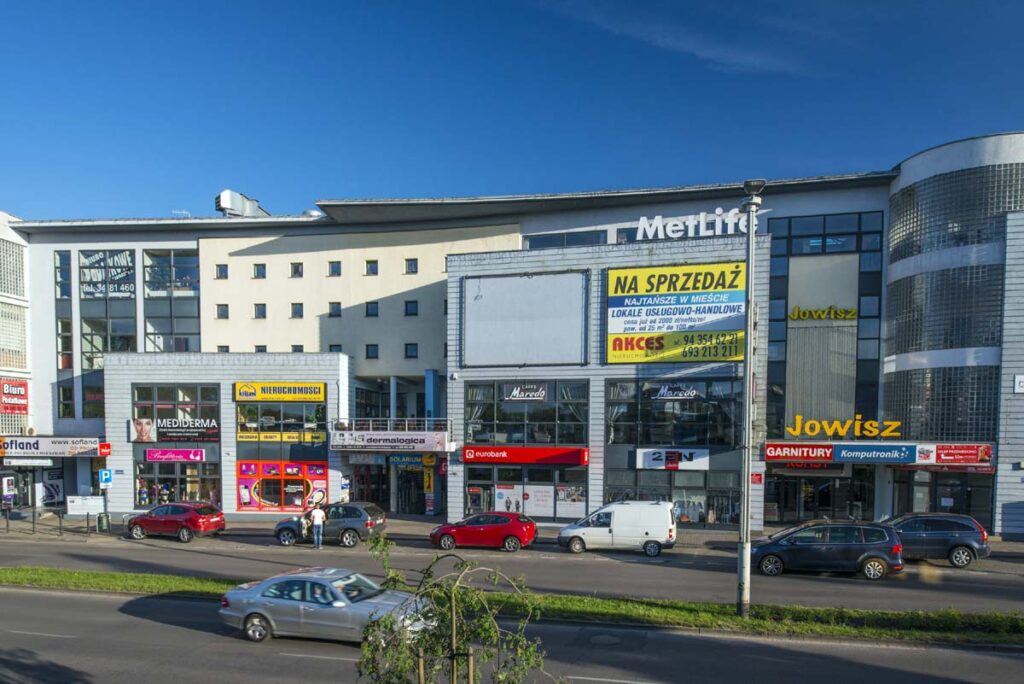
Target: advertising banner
column 367, row 459
column 875, row 453
column 885, row 453
column 281, row 485
column 571, row 500
column 676, row 314
column 954, row 454
column 14, row 397
column 174, row 430
column 508, row 498
column 791, row 451
column 281, row 391
column 175, row 455
column 673, row 458
column 48, row 447
column 548, row 455
column 405, row 459
column 28, row 462
column 389, row 441
column 539, row 501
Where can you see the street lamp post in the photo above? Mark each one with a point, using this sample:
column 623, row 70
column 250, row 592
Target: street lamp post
column 753, row 189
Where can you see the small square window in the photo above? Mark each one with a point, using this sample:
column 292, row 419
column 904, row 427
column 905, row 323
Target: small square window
column 867, row 349
column 871, row 223
column 412, row 308
column 776, row 351
column 412, row 265
column 778, row 227
column 412, row 350
column 867, row 328
column 259, row 310
column 260, row 349
column 779, row 266
column 777, row 331
column 807, row 225
column 333, row 269
column 296, row 310
column 871, row 243
column 297, row 348
column 777, row 310
column 222, row 349
column 371, row 267
column 335, row 310
column 296, row 269
column 869, row 306
column 372, row 309
column 372, row 351
column 334, row 348
column 259, row 270
column 871, row 261
column 222, row 272
column 222, row 311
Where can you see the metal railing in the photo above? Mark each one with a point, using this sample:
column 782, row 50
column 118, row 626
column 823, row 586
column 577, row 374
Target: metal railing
column 394, row 425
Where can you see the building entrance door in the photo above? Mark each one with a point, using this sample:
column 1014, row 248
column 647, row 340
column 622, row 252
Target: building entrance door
column 410, row 491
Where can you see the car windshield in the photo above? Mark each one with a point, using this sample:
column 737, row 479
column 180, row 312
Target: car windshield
column 356, row 588
column 785, row 532
column 374, row 511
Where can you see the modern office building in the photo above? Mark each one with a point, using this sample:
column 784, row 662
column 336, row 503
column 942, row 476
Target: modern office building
column 888, row 370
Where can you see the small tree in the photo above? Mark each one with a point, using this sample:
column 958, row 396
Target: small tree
column 461, row 626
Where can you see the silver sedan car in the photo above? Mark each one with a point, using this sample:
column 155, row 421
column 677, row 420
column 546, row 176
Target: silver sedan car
column 318, row 603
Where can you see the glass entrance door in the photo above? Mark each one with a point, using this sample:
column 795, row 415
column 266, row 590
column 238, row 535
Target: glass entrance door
column 479, row 498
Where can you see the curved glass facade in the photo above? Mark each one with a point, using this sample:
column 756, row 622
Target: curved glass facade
column 951, row 308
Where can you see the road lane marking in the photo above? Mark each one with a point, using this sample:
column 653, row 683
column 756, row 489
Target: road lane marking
column 42, row 634
column 609, row 681
column 320, row 657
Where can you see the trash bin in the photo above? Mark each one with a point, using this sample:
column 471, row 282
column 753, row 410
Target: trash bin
column 102, row 522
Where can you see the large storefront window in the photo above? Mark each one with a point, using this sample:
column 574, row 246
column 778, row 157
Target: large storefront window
column 698, row 497
column 542, row 492
column 158, row 483
column 920, row 491
column 673, row 413
column 544, row 412
column 278, row 431
column 805, row 491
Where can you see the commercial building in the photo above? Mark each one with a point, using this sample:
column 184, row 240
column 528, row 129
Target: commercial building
column 888, row 366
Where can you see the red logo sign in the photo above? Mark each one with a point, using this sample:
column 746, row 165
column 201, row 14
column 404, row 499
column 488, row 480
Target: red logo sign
column 963, row 453
column 791, row 451
column 104, row 449
column 505, row 454
column 757, row 478
column 14, row 396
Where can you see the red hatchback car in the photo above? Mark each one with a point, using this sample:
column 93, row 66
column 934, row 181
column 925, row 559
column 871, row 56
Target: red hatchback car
column 496, row 529
column 181, row 520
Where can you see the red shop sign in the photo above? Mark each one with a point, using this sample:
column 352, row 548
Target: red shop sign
column 14, row 396
column 543, row 455
column 793, row 451
column 442, row 466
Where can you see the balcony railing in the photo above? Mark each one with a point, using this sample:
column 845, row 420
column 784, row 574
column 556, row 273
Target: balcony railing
column 394, row 425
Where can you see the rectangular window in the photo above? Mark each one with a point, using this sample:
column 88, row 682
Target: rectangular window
column 222, row 349
column 334, row 310
column 334, row 348
column 259, row 310
column 446, row 350
column 841, row 243
column 260, row 349
column 371, row 267
column 222, row 311
column 412, row 266
column 259, row 271
column 66, row 399
column 811, row 245
column 333, row 269
column 372, row 351
column 62, row 274
column 372, row 309
column 412, row 350
column 841, row 223
column 221, row 272
column 412, row 308
column 869, row 306
column 296, row 269
column 296, row 310
column 871, row 261
column 806, row 225
column 297, row 348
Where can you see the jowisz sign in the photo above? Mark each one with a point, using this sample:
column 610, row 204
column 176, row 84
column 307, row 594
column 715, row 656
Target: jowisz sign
column 525, row 391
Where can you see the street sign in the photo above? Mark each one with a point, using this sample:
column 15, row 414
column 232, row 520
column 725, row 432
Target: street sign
column 106, row 478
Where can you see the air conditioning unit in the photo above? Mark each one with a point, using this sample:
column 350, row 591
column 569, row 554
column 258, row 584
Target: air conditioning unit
column 28, row 432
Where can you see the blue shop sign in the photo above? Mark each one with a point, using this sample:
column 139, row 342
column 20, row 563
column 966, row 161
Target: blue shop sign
column 405, row 459
column 875, row 453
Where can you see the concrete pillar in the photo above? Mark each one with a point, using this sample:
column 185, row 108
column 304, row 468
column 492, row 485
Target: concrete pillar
column 393, row 484
column 883, row 492
column 432, row 394
column 393, row 397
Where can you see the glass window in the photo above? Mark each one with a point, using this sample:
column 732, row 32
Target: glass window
column 778, row 227
column 510, row 475
column 259, row 310
column 776, row 351
column 871, row 261
column 841, row 223
column 222, row 311
column 371, row 267
column 869, row 306
column 412, row 307
column 334, row 348
column 841, row 243
column 723, row 479
column 777, row 331
column 412, row 350
column 867, row 349
column 777, row 310
column 810, row 535
column 259, row 270
column 873, row 535
column 334, row 309
column 547, row 241
column 844, row 535
column 296, row 310
column 297, row 348
column 412, row 266
column 871, row 242
column 871, row 222
column 333, row 269
column 372, row 351
column 372, row 309
column 779, row 266
column 540, row 476
column 296, row 270
column 867, row 327
column 479, row 474
column 221, row 271
column 811, row 245
column 806, row 225
column 780, row 247
column 260, row 348
column 586, row 237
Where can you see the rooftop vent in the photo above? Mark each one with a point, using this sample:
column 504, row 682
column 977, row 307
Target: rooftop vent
column 236, row 205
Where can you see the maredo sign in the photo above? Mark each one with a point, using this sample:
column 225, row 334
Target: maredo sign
column 549, row 455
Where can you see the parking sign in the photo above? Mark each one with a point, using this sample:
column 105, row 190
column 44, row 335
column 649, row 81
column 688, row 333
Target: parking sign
column 106, row 478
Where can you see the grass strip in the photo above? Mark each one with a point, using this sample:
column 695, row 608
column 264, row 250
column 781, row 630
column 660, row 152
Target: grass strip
column 945, row 626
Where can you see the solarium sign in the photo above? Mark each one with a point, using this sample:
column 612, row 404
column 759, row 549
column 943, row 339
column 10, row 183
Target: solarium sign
column 706, row 224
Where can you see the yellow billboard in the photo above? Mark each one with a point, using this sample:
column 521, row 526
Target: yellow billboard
column 676, row 314
column 281, row 391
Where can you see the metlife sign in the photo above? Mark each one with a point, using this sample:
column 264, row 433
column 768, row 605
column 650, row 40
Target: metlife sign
column 389, row 441
column 706, row 224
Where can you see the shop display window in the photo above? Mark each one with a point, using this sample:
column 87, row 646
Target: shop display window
column 673, row 413
column 277, row 431
column 280, row 485
column 157, row 483
column 541, row 412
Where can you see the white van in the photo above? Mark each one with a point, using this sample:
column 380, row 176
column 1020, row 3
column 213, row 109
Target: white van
column 647, row 526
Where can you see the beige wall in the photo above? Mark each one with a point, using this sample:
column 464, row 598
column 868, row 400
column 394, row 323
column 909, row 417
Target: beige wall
column 315, row 290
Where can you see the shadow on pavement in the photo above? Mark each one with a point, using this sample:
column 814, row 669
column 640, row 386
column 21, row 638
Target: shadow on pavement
column 177, row 611
column 19, row 665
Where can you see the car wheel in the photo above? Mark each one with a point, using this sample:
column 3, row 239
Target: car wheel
column 447, row 542
column 287, row 537
column 137, row 532
column 257, row 628
column 349, row 538
column 960, row 557
column 874, row 569
column 511, row 544
column 771, row 566
column 652, row 549
column 576, row 545
column 185, row 535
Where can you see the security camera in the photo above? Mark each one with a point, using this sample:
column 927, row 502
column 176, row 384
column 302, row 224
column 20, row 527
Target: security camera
column 754, row 186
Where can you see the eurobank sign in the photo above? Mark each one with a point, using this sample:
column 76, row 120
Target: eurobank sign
column 705, row 224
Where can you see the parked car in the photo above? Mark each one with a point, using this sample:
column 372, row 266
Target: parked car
column 872, row 549
column 497, row 529
column 647, row 526
column 349, row 523
column 318, row 603
column 181, row 520
column 958, row 538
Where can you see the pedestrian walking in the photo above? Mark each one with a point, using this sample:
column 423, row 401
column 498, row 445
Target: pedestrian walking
column 317, row 517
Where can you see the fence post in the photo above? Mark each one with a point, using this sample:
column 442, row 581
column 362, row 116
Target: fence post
column 7, row 514
column 470, row 664
column 88, row 524
column 33, row 520
column 60, row 524
column 421, row 668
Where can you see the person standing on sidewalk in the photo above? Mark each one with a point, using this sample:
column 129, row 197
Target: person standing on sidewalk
column 317, row 517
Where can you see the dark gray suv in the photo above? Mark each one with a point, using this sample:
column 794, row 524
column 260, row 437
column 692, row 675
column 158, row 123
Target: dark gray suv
column 957, row 538
column 348, row 523
column 872, row 549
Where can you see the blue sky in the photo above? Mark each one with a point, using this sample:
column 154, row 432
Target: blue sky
column 112, row 109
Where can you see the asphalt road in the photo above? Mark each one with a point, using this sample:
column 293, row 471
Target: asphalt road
column 680, row 573
column 85, row 639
